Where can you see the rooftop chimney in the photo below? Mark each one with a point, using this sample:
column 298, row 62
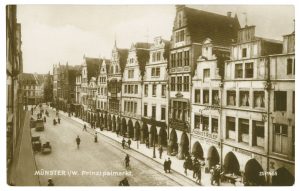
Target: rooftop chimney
column 229, row 14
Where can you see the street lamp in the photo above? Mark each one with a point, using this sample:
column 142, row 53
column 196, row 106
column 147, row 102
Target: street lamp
column 154, row 154
column 154, row 135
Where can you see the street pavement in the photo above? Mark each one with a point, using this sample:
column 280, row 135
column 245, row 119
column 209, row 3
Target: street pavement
column 100, row 158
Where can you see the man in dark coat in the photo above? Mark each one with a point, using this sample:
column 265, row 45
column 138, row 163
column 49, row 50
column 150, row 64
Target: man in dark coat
column 127, row 160
column 212, row 177
column 196, row 166
column 78, row 141
column 185, row 164
column 160, row 150
column 123, row 143
column 96, row 137
column 58, row 119
column 217, row 174
column 129, row 142
column 124, row 182
column 169, row 165
column 166, row 166
column 199, row 176
column 84, row 128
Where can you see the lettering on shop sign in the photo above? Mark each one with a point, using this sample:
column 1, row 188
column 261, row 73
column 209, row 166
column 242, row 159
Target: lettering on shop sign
column 242, row 151
column 205, row 134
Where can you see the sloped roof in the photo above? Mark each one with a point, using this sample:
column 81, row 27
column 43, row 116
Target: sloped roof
column 41, row 78
column 107, row 62
column 144, row 45
column 123, row 55
column 27, row 78
column 93, row 65
column 220, row 28
column 143, row 55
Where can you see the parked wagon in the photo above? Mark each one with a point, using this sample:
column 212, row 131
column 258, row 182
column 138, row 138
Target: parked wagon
column 36, row 144
column 46, row 148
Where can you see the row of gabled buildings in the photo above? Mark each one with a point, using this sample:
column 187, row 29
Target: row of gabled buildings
column 36, row 88
column 215, row 90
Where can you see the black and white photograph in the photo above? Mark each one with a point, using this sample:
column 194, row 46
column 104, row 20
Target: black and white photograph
column 150, row 95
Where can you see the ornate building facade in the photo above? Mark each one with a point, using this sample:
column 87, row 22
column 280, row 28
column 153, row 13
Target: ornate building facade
column 155, row 96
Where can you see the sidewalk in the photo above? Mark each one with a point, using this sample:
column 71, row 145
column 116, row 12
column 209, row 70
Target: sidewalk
column 24, row 167
column 177, row 165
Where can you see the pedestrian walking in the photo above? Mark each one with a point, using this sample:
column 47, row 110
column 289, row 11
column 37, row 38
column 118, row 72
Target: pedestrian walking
column 129, row 143
column 78, row 141
column 50, row 182
column 160, row 150
column 199, row 175
column 185, row 164
column 169, row 165
column 123, row 143
column 96, row 137
column 32, row 111
column 212, row 175
column 127, row 160
column 54, row 122
column 45, row 119
column 124, row 182
column 58, row 119
column 166, row 166
column 217, row 174
column 84, row 128
column 196, row 166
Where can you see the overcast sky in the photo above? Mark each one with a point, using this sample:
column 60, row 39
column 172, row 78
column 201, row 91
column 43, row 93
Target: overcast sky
column 64, row 33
